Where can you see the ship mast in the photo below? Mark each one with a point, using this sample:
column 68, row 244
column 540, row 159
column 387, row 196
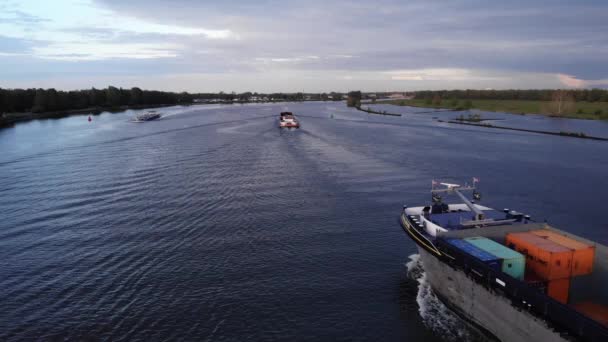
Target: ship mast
column 457, row 189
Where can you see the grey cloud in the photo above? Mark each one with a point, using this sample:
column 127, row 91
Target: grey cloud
column 542, row 36
column 276, row 36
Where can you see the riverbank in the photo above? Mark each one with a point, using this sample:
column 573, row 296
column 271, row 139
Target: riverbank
column 581, row 109
column 8, row 119
column 580, row 135
column 371, row 111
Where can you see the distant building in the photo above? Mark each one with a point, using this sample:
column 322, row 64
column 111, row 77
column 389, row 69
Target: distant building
column 401, row 96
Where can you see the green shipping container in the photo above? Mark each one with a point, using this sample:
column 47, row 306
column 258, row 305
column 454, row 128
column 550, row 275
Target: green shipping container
column 513, row 263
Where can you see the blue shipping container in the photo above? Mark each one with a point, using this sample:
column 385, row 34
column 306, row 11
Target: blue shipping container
column 472, row 250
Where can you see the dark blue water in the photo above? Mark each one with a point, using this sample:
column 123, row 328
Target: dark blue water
column 212, row 224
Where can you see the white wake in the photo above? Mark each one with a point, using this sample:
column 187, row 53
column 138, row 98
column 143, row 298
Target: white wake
column 435, row 315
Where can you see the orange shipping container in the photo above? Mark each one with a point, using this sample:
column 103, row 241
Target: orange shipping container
column 558, row 289
column 583, row 254
column 594, row 311
column 545, row 258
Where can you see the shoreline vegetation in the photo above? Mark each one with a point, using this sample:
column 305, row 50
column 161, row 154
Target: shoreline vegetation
column 567, row 103
column 578, row 110
column 17, row 105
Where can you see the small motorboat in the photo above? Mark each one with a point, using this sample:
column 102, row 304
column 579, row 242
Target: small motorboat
column 147, row 116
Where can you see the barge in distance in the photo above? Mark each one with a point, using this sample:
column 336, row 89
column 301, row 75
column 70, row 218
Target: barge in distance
column 288, row 120
column 510, row 277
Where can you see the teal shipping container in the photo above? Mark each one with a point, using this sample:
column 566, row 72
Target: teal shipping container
column 513, row 263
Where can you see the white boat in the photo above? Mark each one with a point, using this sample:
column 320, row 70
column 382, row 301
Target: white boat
column 147, row 116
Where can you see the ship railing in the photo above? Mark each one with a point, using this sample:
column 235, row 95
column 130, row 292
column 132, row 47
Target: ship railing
column 561, row 317
column 485, row 222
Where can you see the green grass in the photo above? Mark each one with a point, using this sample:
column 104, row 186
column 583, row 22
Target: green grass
column 581, row 110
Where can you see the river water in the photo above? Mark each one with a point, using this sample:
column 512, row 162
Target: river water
column 213, row 224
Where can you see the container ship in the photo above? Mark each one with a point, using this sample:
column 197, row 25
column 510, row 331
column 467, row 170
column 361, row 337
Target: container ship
column 288, row 120
column 510, row 277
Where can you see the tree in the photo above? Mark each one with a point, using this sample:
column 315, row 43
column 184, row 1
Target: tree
column 562, row 102
column 184, row 97
column 595, row 95
column 112, row 96
column 96, row 97
column 354, row 99
column 52, row 100
column 2, row 101
column 437, row 100
column 136, row 96
column 40, row 101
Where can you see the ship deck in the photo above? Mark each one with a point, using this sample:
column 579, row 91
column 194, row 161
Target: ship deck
column 453, row 220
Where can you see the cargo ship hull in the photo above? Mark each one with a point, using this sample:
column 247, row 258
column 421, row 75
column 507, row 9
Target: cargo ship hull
column 504, row 307
column 486, row 311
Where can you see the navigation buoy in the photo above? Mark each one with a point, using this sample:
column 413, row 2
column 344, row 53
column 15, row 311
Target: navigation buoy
column 90, row 119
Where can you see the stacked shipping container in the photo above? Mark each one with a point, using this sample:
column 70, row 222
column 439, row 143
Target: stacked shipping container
column 545, row 258
column 583, row 254
column 548, row 259
column 554, row 258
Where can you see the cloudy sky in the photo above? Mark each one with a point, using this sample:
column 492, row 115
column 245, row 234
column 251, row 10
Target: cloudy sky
column 313, row 45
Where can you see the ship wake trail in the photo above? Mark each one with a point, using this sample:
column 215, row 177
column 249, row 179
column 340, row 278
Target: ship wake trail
column 435, row 315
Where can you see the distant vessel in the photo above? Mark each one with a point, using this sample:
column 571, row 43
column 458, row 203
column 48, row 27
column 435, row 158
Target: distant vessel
column 512, row 278
column 288, row 120
column 147, row 116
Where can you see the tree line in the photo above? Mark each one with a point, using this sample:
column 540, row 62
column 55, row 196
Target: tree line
column 49, row 100
column 590, row 95
column 250, row 96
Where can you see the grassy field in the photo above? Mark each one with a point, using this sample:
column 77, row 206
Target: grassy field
column 581, row 110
